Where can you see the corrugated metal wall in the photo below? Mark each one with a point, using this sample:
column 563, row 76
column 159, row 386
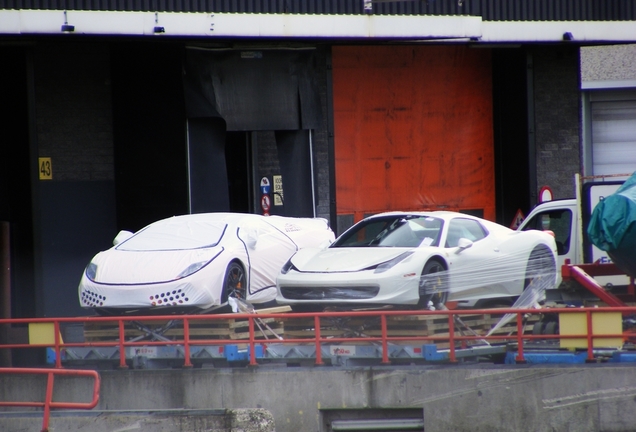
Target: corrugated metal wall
column 490, row 10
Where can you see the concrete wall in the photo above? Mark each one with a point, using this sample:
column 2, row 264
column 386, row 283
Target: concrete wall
column 609, row 64
column 595, row 397
column 242, row 420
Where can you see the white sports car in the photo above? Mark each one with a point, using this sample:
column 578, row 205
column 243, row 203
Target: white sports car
column 419, row 259
column 197, row 261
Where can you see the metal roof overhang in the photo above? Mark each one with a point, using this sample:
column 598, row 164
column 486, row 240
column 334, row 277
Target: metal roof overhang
column 362, row 27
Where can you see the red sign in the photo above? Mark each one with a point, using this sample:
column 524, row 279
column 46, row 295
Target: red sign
column 519, row 217
column 265, row 203
column 545, row 194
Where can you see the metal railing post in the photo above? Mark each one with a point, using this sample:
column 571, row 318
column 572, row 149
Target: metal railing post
column 252, row 341
column 385, row 345
column 58, row 351
column 186, row 343
column 317, row 336
column 451, row 337
column 520, row 331
column 590, row 336
column 122, row 347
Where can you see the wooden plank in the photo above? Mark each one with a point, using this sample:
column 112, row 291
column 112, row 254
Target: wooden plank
column 272, row 310
column 199, row 329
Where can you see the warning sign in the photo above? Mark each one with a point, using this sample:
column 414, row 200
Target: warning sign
column 519, row 217
column 265, row 203
column 265, row 185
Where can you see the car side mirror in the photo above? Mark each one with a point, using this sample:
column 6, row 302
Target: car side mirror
column 122, row 237
column 462, row 244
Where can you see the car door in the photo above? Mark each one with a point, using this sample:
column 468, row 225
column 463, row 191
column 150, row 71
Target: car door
column 478, row 271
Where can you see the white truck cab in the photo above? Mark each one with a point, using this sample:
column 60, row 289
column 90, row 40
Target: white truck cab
column 560, row 217
column 568, row 220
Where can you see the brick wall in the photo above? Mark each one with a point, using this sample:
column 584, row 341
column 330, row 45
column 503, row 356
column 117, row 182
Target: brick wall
column 73, row 110
column 557, row 111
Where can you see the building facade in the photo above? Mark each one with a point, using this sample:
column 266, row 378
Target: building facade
column 114, row 116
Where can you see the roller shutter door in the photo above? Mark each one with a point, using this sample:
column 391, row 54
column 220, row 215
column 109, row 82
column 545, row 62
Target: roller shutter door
column 413, row 130
column 613, row 132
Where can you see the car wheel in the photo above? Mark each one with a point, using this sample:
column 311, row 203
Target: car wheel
column 551, row 328
column 433, row 286
column 541, row 269
column 235, row 282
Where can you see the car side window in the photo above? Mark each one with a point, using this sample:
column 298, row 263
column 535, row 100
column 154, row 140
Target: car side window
column 557, row 221
column 464, row 228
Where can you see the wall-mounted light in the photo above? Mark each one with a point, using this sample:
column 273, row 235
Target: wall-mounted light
column 66, row 27
column 158, row 28
column 367, row 6
column 567, row 36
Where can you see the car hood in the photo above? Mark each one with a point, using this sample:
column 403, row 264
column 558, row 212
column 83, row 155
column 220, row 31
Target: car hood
column 343, row 259
column 133, row 267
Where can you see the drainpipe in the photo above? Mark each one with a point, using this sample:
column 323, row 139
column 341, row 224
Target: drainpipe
column 311, row 168
column 532, row 144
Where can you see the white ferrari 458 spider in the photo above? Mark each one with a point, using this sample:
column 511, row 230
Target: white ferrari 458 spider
column 419, row 259
column 196, row 262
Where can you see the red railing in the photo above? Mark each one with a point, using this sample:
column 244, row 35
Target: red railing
column 48, row 402
column 455, row 341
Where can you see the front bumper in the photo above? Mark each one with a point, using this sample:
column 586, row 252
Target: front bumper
column 171, row 294
column 360, row 287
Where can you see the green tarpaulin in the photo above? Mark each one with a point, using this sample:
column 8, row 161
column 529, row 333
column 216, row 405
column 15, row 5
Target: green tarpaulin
column 612, row 227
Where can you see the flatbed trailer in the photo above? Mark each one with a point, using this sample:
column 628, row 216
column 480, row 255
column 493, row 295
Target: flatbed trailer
column 333, row 339
column 580, row 284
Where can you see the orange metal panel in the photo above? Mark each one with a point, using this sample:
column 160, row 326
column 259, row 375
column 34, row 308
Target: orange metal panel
column 413, row 129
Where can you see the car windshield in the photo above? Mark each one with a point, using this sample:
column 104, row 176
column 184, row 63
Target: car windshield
column 393, row 231
column 176, row 235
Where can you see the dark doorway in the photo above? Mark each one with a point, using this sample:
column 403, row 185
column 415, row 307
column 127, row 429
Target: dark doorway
column 16, row 180
column 511, row 134
column 149, row 133
column 239, row 165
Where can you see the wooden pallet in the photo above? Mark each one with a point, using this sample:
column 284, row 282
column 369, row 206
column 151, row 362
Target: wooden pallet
column 401, row 326
column 363, row 326
column 217, row 329
column 510, row 329
column 199, row 329
column 303, row 328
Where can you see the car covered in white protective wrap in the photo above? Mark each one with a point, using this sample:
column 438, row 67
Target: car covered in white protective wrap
column 197, row 261
column 419, row 259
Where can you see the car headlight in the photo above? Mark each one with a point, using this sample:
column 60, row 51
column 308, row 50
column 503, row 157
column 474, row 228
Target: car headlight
column 91, row 271
column 191, row 269
column 287, row 267
column 389, row 264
